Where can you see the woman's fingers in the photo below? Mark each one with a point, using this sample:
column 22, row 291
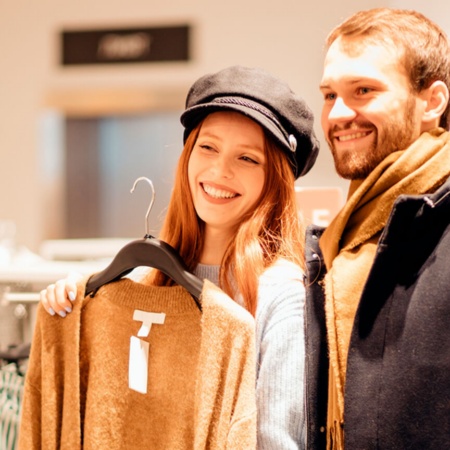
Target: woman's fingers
column 57, row 298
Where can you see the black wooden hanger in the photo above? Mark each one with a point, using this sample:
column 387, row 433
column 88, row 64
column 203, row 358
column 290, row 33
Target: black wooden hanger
column 150, row 252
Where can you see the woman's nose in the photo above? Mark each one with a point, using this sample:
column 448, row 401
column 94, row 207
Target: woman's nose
column 222, row 167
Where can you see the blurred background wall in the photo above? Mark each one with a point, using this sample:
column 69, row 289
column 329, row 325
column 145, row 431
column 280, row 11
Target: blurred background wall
column 38, row 94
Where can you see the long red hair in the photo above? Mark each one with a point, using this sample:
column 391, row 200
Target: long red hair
column 272, row 230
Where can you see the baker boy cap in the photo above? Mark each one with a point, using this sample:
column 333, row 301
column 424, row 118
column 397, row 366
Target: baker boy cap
column 265, row 99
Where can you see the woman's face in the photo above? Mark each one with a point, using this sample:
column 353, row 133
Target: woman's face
column 227, row 169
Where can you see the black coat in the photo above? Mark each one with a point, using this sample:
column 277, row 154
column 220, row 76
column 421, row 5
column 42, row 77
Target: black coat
column 397, row 393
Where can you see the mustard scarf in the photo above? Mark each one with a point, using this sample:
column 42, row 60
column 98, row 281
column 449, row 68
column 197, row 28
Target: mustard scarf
column 349, row 244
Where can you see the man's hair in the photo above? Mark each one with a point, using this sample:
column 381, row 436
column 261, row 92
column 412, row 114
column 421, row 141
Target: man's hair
column 424, row 47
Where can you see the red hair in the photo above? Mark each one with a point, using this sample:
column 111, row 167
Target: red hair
column 270, row 231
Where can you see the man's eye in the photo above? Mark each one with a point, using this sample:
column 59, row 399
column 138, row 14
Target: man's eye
column 364, row 90
column 330, row 96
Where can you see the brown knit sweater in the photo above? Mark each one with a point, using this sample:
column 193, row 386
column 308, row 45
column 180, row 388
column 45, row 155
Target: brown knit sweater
column 201, row 374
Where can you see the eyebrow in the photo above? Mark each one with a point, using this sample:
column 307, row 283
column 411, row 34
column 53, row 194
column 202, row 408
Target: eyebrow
column 352, row 81
column 211, row 135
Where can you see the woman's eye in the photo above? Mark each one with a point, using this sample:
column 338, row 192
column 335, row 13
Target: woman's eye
column 248, row 159
column 329, row 96
column 206, row 147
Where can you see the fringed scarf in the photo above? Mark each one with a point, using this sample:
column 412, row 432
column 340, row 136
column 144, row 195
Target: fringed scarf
column 349, row 244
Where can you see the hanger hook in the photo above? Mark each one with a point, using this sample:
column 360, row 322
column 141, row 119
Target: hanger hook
column 147, row 223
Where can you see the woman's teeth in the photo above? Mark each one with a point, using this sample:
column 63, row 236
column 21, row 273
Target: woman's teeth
column 218, row 193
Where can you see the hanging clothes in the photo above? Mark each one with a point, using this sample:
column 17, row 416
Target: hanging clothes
column 11, row 391
column 200, row 391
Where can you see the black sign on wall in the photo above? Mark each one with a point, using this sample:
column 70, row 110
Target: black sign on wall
column 126, row 45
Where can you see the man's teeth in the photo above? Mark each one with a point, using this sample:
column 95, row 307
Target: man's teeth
column 218, row 193
column 348, row 137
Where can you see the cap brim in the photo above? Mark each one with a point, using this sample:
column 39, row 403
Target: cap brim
column 192, row 117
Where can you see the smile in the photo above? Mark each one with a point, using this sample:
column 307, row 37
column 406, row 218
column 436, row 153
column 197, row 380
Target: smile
column 349, row 137
column 218, row 193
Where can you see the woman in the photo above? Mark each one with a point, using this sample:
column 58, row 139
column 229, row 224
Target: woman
column 233, row 219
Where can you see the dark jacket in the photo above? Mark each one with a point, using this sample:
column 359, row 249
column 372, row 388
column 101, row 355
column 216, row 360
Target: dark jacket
column 397, row 393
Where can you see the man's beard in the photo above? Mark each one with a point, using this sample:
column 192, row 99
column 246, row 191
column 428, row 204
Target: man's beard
column 395, row 135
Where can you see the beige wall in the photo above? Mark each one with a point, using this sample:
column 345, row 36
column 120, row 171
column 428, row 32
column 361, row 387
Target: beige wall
column 284, row 37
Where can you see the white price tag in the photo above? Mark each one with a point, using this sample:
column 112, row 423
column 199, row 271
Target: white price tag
column 147, row 319
column 139, row 350
column 138, row 365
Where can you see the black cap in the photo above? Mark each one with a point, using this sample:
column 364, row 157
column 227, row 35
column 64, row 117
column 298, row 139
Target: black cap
column 265, row 99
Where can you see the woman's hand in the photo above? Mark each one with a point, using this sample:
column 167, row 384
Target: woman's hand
column 57, row 298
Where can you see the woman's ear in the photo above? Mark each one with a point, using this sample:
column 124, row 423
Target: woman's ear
column 436, row 99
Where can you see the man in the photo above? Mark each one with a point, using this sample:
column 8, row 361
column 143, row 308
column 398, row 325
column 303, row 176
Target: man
column 380, row 378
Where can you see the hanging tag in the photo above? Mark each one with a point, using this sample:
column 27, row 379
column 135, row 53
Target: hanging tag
column 138, row 365
column 147, row 319
column 139, row 350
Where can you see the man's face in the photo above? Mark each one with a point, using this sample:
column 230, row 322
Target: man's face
column 369, row 110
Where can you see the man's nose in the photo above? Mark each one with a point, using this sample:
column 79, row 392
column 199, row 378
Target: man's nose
column 341, row 111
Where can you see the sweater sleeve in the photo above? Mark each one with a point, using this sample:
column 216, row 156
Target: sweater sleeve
column 280, row 347
column 50, row 409
column 30, row 421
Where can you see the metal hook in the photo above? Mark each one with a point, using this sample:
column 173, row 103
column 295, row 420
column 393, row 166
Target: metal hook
column 147, row 224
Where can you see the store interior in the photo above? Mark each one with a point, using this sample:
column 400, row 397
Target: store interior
column 75, row 137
